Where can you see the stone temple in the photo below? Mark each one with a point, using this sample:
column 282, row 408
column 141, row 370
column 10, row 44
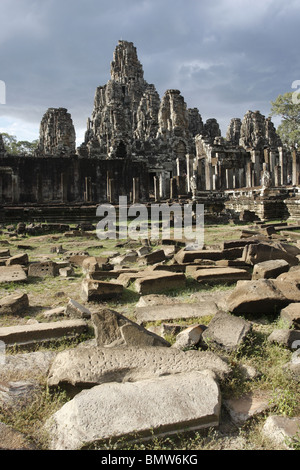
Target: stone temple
column 150, row 148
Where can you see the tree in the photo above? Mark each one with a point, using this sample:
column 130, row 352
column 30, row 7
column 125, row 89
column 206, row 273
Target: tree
column 288, row 107
column 14, row 147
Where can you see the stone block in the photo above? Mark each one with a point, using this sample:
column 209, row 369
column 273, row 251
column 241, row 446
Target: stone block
column 162, row 406
column 69, row 369
column 75, row 310
column 159, row 282
column 14, row 304
column 113, row 329
column 270, row 269
column 291, row 314
column 281, row 429
column 257, row 297
column 220, row 275
column 226, row 332
column 26, row 335
column 176, row 311
column 13, row 273
column 94, row 291
column 43, row 269
column 20, row 259
column 155, row 257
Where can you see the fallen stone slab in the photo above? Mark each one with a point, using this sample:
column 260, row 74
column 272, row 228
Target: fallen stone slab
column 189, row 337
column 184, row 256
column 261, row 252
column 159, row 282
column 94, row 291
column 287, row 338
column 226, row 331
column 155, row 299
column 21, row 259
column 13, row 273
column 160, row 406
column 155, row 257
column 175, row 311
column 43, row 269
column 67, row 271
column 14, row 304
column 69, row 369
column 220, row 275
column 30, row 365
column 270, row 269
column 55, row 312
column 75, row 310
column 246, row 407
column 281, row 430
column 93, row 264
column 291, row 314
column 25, row 335
column 258, row 297
column 290, row 289
column 114, row 330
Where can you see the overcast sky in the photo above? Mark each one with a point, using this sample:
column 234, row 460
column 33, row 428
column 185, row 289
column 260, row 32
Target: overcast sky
column 225, row 56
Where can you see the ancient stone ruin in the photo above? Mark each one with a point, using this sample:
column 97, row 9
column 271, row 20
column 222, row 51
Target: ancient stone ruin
column 151, row 149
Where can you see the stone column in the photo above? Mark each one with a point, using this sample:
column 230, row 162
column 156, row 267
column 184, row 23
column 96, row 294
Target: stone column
column 255, row 157
column 282, row 164
column 156, row 189
column 189, row 170
column 136, row 190
column 295, row 172
column 249, row 175
column 277, row 175
column 208, row 176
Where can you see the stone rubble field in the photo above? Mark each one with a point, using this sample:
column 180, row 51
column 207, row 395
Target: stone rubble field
column 121, row 343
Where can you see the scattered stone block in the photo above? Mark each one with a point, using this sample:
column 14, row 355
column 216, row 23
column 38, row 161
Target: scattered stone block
column 175, row 311
column 281, row 430
column 260, row 252
column 291, row 314
column 284, row 337
column 75, row 310
column 159, row 282
column 244, row 408
column 155, row 257
column 113, row 329
column 122, row 260
column 220, row 275
column 93, row 264
column 259, row 297
column 270, row 269
column 43, row 269
column 5, row 254
column 226, row 331
column 94, row 291
column 168, row 405
column 13, row 273
column 26, row 335
column 14, row 304
column 68, row 271
column 189, row 337
column 55, row 312
column 20, row 259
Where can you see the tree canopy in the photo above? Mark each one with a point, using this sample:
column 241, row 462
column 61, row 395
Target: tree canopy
column 288, row 107
column 14, row 146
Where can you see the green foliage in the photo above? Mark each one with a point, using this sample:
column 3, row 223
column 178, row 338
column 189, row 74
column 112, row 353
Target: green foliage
column 14, row 147
column 289, row 129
